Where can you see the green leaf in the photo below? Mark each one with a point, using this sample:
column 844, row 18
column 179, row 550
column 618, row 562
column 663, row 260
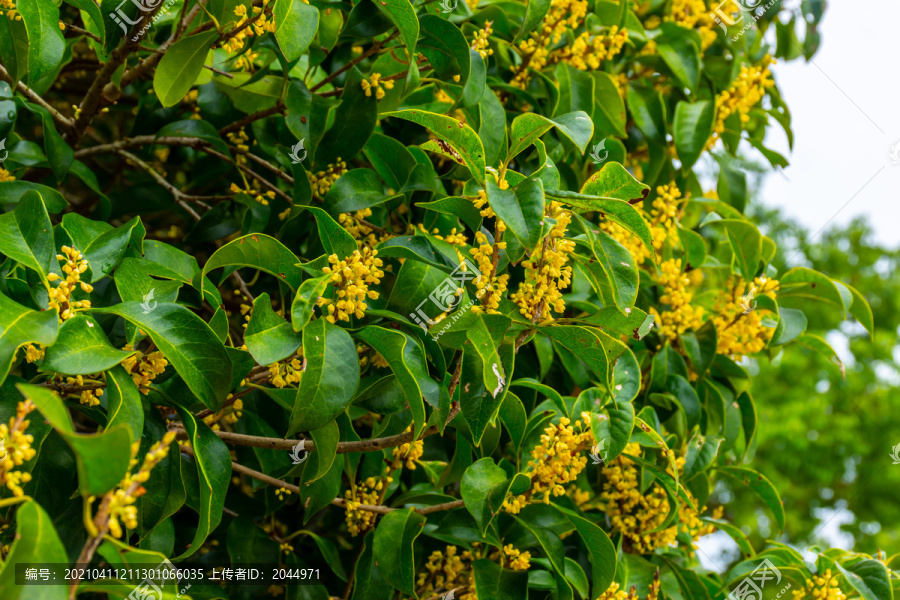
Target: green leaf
column 648, row 111
column 106, row 251
column 599, row 547
column 762, row 487
column 681, row 389
column 59, row 154
column 861, row 310
column 259, row 252
column 479, row 406
column 45, row 40
column 493, row 582
column 584, row 342
column 869, row 577
column 102, row 459
column 335, row 239
column 20, row 325
column 521, row 209
column 179, row 68
column 296, row 23
column 683, row 58
column 305, row 300
column 746, row 241
column 124, row 402
column 614, row 424
column 403, row 16
column 407, row 361
column 458, row 207
column 356, row 190
column 269, row 338
column 614, row 181
column 459, row 136
column 550, row 544
column 394, row 538
column 492, row 368
column 534, row 15
column 26, row 234
column 617, row 263
column 213, row 461
column 36, row 541
column 692, row 129
column 701, row 452
column 528, row 127
column 330, row 379
column 187, row 342
column 484, row 487
column 807, row 284
column 791, row 324
column 81, row 348
column 319, row 462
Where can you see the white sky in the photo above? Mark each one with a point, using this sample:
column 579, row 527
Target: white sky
column 845, row 120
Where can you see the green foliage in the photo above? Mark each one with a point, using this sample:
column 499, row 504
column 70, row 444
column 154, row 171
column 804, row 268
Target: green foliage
column 429, row 294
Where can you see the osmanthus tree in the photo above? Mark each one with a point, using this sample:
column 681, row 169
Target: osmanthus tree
column 426, row 295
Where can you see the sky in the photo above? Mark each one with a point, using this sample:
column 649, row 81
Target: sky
column 844, row 105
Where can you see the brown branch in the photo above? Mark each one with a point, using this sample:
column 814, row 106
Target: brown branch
column 23, row 89
column 261, row 114
column 375, row 48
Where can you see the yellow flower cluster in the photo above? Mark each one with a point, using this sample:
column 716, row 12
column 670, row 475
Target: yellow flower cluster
column 563, row 14
column 16, row 449
column 5, row 176
column 254, row 192
column 480, row 43
column 351, row 278
column 144, row 368
column 614, row 593
column 546, row 272
column 287, row 371
column 10, row 7
column 519, row 561
column 230, row 415
column 490, row 287
column 588, row 53
column 747, row 90
column 375, row 82
column 681, row 315
column 367, row 492
column 555, row 461
column 738, row 323
column 322, row 181
column 351, row 222
column 457, row 239
column 61, row 295
column 409, row 452
column 636, row 515
column 694, row 14
column 90, row 396
column 34, row 353
column 664, row 215
column 281, row 493
column 820, row 587
column 263, row 23
column 122, row 499
column 481, row 203
column 635, row 247
column 444, row 571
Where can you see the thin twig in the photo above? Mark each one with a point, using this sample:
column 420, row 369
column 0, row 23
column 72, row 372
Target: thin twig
column 23, row 89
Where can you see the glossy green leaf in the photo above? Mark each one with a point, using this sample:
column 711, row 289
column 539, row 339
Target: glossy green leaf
column 81, row 348
column 305, row 300
column 762, row 487
column 45, row 40
column 268, row 337
column 526, row 128
column 393, row 546
column 692, row 129
column 335, row 238
column 522, row 209
column 296, row 23
column 20, row 325
column 124, row 402
column 187, row 342
column 36, row 541
column 180, row 67
column 26, row 234
column 259, row 252
column 614, row 181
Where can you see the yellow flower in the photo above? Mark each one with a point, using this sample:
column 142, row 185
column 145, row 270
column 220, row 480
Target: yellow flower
column 5, row 176
column 681, row 316
column 694, row 14
column 60, row 297
column 281, row 493
column 546, row 272
column 820, row 587
column 409, row 452
column 588, row 52
column 555, row 461
column 322, row 181
column 351, row 278
column 144, row 368
column 16, row 449
column 519, row 561
column 490, row 287
column 745, row 92
column 738, row 322
column 375, row 82
column 480, row 43
column 367, row 492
